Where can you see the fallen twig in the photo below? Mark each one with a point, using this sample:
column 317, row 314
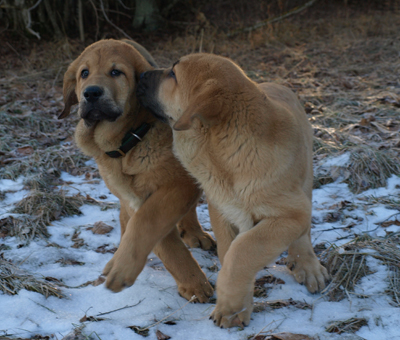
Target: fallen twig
column 116, row 310
column 272, row 20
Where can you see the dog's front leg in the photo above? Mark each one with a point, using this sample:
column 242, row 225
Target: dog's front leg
column 151, row 223
column 305, row 265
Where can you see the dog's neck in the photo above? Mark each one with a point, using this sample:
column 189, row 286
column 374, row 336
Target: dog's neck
column 107, row 136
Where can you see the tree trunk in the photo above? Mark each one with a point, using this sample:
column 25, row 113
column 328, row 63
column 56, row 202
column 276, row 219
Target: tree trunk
column 147, row 15
column 80, row 17
column 66, row 15
column 52, row 18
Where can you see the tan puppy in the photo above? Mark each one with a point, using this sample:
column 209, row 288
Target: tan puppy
column 250, row 147
column 134, row 155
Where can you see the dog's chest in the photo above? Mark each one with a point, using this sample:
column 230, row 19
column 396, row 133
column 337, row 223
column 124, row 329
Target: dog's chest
column 226, row 175
column 121, row 185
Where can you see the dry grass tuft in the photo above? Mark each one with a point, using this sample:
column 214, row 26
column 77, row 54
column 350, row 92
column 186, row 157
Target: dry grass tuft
column 347, row 265
column 351, row 325
column 39, row 209
column 13, row 279
column 49, row 206
column 322, row 146
column 370, row 168
column 321, row 178
column 66, row 157
column 25, row 228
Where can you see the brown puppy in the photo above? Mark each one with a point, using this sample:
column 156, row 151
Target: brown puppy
column 250, row 147
column 154, row 190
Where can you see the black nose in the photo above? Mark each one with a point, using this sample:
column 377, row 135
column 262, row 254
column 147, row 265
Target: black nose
column 142, row 75
column 92, row 93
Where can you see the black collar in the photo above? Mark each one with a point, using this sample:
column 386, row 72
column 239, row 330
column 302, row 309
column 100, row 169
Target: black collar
column 131, row 138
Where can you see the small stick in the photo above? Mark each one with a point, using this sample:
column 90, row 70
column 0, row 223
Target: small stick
column 115, row 310
column 155, row 324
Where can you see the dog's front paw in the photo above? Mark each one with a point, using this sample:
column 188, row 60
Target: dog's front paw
column 233, row 310
column 308, row 271
column 202, row 291
column 225, row 316
column 121, row 271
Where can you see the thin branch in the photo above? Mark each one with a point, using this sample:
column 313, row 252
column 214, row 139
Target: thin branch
column 111, row 23
column 52, row 18
column 126, row 7
column 115, row 310
column 26, row 16
column 270, row 21
column 97, row 20
column 34, row 6
column 80, row 20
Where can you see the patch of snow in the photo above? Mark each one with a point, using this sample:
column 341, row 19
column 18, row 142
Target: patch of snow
column 30, row 313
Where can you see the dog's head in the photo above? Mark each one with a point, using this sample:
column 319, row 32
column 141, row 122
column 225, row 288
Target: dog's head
column 103, row 80
column 197, row 86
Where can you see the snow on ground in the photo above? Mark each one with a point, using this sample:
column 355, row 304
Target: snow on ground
column 154, row 297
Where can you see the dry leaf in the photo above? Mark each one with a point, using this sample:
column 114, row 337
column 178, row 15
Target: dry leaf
column 162, row 336
column 25, row 150
column 389, row 223
column 290, row 336
column 90, row 318
column 102, row 249
column 101, row 228
column 268, row 279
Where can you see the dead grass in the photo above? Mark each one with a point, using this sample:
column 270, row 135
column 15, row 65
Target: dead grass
column 61, row 157
column 13, row 279
column 370, row 168
column 26, row 228
column 351, row 325
column 49, row 206
column 38, row 210
column 390, row 202
column 260, row 306
column 347, row 265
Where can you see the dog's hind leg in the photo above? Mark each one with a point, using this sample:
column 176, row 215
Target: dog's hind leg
column 248, row 253
column 192, row 233
column 223, row 231
column 305, row 266
column 183, row 267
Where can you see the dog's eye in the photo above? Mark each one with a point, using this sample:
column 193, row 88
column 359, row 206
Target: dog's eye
column 115, row 73
column 172, row 74
column 85, row 74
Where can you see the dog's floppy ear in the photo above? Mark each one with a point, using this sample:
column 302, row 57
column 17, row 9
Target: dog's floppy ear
column 207, row 106
column 138, row 60
column 69, row 94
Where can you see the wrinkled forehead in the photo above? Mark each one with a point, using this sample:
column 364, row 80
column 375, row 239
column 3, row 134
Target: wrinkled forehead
column 104, row 57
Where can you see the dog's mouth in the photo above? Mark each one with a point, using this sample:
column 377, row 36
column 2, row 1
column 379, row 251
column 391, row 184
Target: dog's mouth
column 92, row 115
